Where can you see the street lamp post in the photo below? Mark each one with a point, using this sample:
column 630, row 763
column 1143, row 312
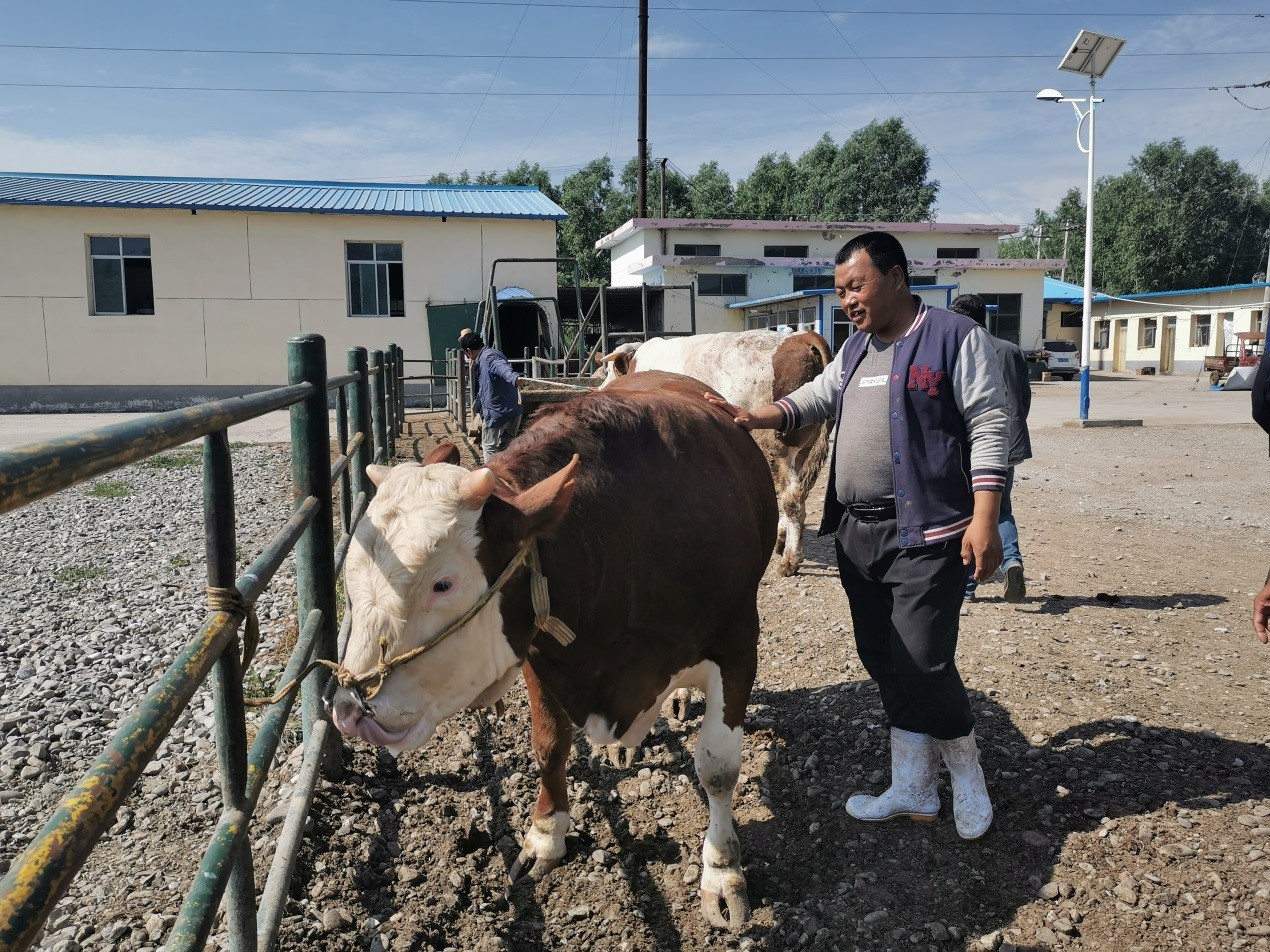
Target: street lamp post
column 1090, row 55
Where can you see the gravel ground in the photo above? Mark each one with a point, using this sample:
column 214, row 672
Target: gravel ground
column 1121, row 713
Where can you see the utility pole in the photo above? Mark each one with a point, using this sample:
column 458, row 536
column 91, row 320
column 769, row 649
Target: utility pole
column 1067, row 234
column 1040, row 230
column 662, row 174
column 641, row 202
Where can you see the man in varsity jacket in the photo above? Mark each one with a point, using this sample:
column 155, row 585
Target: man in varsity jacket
column 919, row 463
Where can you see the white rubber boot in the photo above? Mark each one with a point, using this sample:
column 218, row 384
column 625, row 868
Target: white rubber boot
column 971, row 807
column 914, row 769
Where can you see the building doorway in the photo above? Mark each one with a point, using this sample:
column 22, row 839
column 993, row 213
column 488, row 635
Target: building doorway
column 1117, row 360
column 1167, row 345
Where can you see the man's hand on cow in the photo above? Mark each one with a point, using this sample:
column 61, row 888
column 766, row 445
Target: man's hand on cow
column 1261, row 614
column 741, row 417
column 982, row 545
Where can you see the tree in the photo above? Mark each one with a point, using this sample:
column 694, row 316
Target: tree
column 1070, row 214
column 625, row 200
column 536, row 175
column 880, row 174
column 1176, row 220
column 587, row 196
column 813, row 178
column 767, row 193
column 710, row 192
column 445, row 178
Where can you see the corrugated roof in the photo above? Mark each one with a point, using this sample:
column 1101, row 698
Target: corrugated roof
column 1056, row 290
column 1219, row 288
column 335, row 198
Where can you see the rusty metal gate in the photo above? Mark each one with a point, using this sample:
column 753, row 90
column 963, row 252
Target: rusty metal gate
column 369, row 414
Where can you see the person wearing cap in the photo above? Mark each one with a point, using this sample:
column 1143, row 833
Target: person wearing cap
column 495, row 393
column 914, row 496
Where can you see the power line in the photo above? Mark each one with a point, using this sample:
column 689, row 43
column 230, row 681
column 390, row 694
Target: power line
column 984, row 205
column 818, row 11
column 492, row 80
column 579, row 95
column 390, row 54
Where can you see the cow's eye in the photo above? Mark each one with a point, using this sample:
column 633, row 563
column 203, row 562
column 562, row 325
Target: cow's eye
column 444, row 585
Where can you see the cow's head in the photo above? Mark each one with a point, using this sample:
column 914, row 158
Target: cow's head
column 412, row 571
column 619, row 363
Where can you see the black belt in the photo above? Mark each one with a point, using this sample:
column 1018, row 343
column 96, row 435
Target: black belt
column 875, row 510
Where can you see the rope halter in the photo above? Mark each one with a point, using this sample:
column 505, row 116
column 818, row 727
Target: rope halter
column 365, row 687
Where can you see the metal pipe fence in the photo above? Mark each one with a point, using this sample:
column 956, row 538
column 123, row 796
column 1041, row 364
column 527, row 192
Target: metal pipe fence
column 369, row 414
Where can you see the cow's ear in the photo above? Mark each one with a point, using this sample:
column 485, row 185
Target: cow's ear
column 377, row 473
column 622, row 363
column 443, row 453
column 477, row 487
column 538, row 509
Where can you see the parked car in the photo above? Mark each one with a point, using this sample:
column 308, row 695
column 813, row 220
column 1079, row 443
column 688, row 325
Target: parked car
column 1062, row 357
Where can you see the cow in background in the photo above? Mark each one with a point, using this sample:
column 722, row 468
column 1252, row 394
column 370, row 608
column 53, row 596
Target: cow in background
column 752, row 369
column 631, row 497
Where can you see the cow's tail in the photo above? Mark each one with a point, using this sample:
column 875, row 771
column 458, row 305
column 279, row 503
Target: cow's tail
column 820, row 358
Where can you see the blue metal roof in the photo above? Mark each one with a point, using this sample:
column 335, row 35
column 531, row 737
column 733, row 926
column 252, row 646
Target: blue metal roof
column 1056, row 290
column 267, row 195
column 1223, row 287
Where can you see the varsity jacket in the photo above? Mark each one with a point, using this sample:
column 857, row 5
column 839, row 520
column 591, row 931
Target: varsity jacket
column 949, row 423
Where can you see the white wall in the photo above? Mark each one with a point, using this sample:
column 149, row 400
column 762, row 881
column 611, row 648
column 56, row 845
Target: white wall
column 230, row 288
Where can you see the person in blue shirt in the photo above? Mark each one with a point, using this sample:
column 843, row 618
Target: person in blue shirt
column 495, row 394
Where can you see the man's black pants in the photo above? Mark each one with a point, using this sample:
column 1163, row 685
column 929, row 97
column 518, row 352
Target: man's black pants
column 905, row 606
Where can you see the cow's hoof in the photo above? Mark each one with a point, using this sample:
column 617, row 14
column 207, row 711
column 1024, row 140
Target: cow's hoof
column 531, row 867
column 680, row 703
column 623, row 758
column 788, row 566
column 730, row 908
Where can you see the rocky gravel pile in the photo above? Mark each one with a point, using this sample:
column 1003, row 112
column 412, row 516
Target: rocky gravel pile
column 1121, row 711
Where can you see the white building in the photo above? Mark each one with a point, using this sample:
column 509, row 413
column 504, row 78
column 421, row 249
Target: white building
column 138, row 292
column 1168, row 331
column 771, row 273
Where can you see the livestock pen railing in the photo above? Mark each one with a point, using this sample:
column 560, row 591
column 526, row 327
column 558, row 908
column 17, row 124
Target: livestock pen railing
column 368, row 402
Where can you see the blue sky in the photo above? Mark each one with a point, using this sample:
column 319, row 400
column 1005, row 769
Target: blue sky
column 555, row 82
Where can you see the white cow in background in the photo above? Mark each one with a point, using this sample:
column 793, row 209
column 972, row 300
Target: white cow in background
column 751, row 369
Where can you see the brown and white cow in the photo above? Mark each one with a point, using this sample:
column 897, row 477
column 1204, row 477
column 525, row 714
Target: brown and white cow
column 751, row 369
column 655, row 518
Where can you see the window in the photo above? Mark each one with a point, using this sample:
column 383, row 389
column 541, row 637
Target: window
column 1258, row 321
column 1146, row 333
column 842, row 328
column 1006, row 322
column 784, row 251
column 1103, row 341
column 956, row 252
column 376, row 287
column 813, row 282
column 1201, row 330
column 721, row 284
column 698, row 251
column 122, row 280
column 1070, row 318
column 922, row 280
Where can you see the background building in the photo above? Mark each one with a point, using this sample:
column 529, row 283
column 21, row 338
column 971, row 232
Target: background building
column 140, row 293
column 1170, row 331
column 771, row 273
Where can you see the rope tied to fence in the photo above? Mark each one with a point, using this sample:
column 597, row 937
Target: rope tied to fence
column 231, row 602
column 368, row 685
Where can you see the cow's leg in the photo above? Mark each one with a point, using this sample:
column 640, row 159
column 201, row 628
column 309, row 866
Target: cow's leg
column 718, row 759
column 543, row 847
column 793, row 513
column 680, row 702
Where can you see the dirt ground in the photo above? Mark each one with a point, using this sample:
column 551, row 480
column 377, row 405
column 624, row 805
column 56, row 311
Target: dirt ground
column 1121, row 714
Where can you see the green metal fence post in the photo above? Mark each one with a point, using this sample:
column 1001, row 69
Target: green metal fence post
column 377, row 407
column 390, row 394
column 401, row 388
column 315, row 552
column 227, row 687
column 346, row 480
column 359, row 398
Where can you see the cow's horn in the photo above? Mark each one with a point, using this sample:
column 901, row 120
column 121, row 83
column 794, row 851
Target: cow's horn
column 477, row 487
